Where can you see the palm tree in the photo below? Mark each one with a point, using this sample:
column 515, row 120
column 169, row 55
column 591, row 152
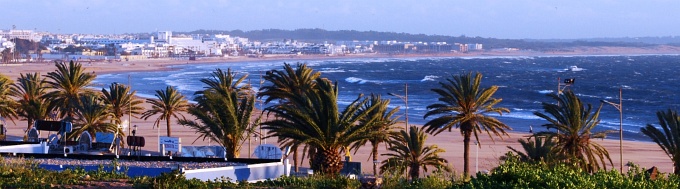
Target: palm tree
column 121, row 101
column 169, row 104
column 223, row 82
column 313, row 119
column 93, row 116
column 289, row 83
column 408, row 150
column 223, row 112
column 382, row 124
column 30, row 90
column 463, row 104
column 7, row 104
column 572, row 123
column 669, row 139
column 537, row 150
column 285, row 86
column 69, row 82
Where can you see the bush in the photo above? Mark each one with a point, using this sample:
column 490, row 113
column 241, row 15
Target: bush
column 437, row 179
column 514, row 174
column 25, row 173
column 315, row 181
column 170, row 180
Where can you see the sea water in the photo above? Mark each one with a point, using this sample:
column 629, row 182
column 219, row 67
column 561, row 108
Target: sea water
column 649, row 83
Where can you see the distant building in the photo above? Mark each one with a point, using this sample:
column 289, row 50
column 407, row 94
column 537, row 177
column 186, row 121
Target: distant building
column 106, row 41
column 164, row 36
column 474, row 47
column 462, row 48
column 21, row 34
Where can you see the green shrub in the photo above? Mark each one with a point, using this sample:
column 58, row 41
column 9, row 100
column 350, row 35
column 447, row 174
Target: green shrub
column 24, row 173
column 438, row 179
column 315, row 181
column 515, row 174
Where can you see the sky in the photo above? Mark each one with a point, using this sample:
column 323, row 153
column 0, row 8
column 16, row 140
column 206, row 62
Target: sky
column 508, row 19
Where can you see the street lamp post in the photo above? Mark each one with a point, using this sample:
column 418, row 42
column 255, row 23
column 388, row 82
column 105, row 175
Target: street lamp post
column 129, row 106
column 561, row 86
column 619, row 107
column 263, row 138
column 405, row 99
column 477, row 157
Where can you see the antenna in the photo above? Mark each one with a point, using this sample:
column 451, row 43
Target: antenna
column 262, row 137
column 129, row 105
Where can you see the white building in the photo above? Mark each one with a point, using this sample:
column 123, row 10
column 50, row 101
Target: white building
column 164, row 36
column 6, row 45
column 21, row 34
column 475, row 47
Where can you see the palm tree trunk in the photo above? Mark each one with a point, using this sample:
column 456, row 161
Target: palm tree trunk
column 231, row 151
column 167, row 121
column 327, row 161
column 466, row 154
column 69, row 115
column 375, row 159
column 30, row 124
column 295, row 160
column 415, row 171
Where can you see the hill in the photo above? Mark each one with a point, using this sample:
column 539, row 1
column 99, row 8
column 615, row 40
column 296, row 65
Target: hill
column 321, row 35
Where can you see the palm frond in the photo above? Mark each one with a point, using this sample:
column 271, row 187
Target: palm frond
column 668, row 138
column 570, row 122
column 168, row 103
column 465, row 105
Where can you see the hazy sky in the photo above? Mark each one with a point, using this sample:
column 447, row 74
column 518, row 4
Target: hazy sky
column 539, row 19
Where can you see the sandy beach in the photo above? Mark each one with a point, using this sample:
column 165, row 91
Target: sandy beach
column 646, row 154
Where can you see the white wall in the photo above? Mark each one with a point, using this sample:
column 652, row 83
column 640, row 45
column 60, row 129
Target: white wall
column 26, row 148
column 256, row 172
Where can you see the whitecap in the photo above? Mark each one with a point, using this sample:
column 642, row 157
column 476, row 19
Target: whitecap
column 148, row 96
column 429, row 78
column 355, row 80
column 332, row 71
column 185, row 74
column 546, row 91
column 522, row 115
column 105, row 76
column 585, row 95
column 154, row 78
column 182, row 85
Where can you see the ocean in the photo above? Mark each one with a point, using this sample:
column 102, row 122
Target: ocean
column 649, row 83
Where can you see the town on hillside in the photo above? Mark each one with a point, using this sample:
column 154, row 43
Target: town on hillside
column 34, row 46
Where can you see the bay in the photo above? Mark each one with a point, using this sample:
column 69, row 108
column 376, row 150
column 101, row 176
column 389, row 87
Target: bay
column 649, row 83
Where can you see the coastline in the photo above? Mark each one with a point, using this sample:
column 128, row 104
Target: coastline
column 165, row 63
column 644, row 153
